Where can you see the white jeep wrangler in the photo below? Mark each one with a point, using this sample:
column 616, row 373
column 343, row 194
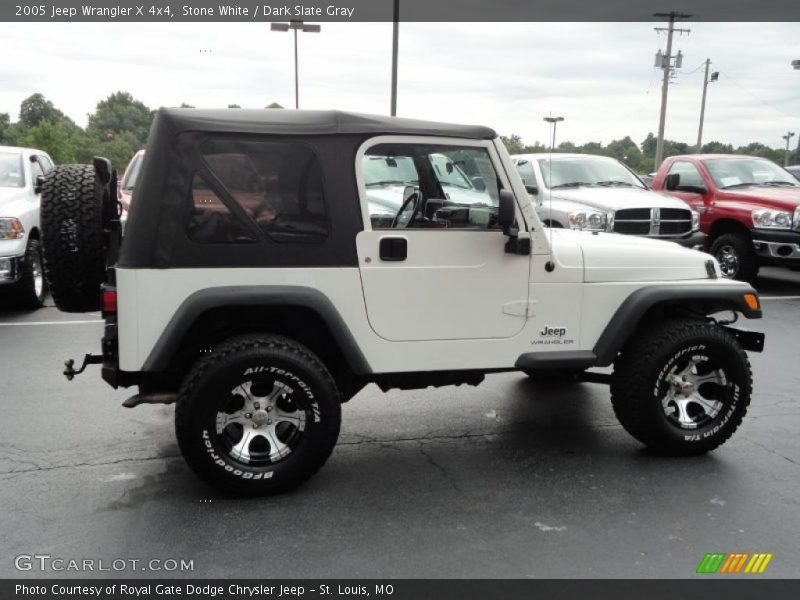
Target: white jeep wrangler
column 254, row 288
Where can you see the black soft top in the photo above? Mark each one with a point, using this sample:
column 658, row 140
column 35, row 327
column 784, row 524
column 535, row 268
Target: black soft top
column 155, row 234
column 309, row 122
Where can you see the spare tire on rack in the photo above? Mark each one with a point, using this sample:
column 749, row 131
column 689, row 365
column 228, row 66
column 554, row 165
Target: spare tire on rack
column 78, row 205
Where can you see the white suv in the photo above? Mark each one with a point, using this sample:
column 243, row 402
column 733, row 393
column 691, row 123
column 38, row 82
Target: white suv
column 254, row 288
column 21, row 275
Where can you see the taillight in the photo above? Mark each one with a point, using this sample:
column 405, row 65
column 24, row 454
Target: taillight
column 109, row 301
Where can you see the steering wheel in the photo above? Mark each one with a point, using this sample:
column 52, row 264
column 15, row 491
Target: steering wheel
column 408, row 211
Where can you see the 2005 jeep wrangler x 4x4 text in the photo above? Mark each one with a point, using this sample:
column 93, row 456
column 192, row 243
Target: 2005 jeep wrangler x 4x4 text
column 256, row 288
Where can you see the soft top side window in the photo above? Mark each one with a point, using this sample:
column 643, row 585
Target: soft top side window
column 277, row 185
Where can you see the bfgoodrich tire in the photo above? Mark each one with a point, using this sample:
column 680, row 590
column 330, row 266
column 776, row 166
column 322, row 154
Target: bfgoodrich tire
column 736, row 256
column 73, row 237
column 682, row 387
column 259, row 415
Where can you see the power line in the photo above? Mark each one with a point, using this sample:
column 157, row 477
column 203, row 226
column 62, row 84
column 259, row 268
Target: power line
column 761, row 100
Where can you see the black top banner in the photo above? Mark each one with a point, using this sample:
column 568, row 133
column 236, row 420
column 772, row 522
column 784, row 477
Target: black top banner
column 406, row 10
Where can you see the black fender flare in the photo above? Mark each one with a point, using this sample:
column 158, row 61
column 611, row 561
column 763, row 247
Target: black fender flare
column 259, row 295
column 714, row 298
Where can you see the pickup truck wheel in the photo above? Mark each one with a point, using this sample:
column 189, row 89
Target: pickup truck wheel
column 736, row 256
column 682, row 387
column 259, row 415
column 31, row 289
column 73, row 237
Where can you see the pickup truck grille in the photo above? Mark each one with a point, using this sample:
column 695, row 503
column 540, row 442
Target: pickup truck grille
column 655, row 222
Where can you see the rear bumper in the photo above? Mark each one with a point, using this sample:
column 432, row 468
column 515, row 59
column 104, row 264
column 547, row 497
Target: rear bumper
column 777, row 247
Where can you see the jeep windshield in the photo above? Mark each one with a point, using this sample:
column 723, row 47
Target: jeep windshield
column 731, row 173
column 586, row 171
column 389, row 170
column 11, row 174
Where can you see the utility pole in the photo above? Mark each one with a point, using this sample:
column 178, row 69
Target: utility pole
column 395, row 34
column 667, row 66
column 714, row 77
column 789, row 135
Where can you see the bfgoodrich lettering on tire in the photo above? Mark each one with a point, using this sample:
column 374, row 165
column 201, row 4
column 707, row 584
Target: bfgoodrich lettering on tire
column 258, row 415
column 682, row 387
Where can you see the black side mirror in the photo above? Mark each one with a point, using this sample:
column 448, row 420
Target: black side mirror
column 672, row 181
column 695, row 189
column 37, row 186
column 506, row 212
column 532, row 189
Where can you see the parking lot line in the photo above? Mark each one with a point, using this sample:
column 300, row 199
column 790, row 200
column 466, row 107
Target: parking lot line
column 51, row 323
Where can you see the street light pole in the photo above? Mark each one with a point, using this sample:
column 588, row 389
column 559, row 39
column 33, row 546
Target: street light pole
column 789, row 135
column 395, row 35
column 714, row 77
column 295, row 26
column 554, row 121
column 796, row 66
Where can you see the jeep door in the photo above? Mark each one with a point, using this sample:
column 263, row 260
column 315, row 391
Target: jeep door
column 431, row 256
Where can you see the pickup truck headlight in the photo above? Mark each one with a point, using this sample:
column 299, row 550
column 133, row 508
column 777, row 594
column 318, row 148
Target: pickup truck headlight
column 11, row 228
column 589, row 220
column 695, row 220
column 771, row 219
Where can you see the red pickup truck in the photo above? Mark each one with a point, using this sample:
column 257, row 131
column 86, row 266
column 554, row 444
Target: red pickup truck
column 749, row 208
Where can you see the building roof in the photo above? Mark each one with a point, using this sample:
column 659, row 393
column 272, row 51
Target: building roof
column 308, row 122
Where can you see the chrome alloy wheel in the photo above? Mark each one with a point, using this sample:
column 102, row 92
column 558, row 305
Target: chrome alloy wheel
column 729, row 261
column 38, row 275
column 695, row 393
column 260, row 423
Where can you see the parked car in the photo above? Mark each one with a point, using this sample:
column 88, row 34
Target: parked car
column 749, row 207
column 127, row 184
column 598, row 193
column 794, row 170
column 22, row 281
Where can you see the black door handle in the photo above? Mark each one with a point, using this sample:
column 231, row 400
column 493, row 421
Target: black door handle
column 393, row 248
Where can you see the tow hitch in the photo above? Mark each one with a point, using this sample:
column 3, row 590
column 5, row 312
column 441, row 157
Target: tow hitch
column 89, row 359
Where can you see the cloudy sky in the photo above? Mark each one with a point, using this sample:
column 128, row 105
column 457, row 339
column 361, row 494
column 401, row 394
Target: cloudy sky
column 599, row 76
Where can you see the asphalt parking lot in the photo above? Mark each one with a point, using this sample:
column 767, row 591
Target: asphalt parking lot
column 509, row 479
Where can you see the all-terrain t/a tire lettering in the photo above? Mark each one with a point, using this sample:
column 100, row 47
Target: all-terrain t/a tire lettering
column 683, row 387
column 259, row 415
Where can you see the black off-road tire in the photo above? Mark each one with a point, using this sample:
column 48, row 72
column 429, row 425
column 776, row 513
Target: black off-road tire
column 742, row 246
column 23, row 294
column 73, row 238
column 265, row 361
column 640, row 381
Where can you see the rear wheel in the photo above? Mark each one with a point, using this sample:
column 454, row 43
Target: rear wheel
column 682, row 387
column 736, row 256
column 259, row 415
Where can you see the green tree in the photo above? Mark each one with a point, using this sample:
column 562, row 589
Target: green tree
column 56, row 138
column 234, row 106
column 36, row 108
column 119, row 113
column 717, row 148
column 513, row 143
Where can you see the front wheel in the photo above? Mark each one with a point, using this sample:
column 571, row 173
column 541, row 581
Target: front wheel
column 736, row 256
column 682, row 387
column 31, row 289
column 259, row 415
